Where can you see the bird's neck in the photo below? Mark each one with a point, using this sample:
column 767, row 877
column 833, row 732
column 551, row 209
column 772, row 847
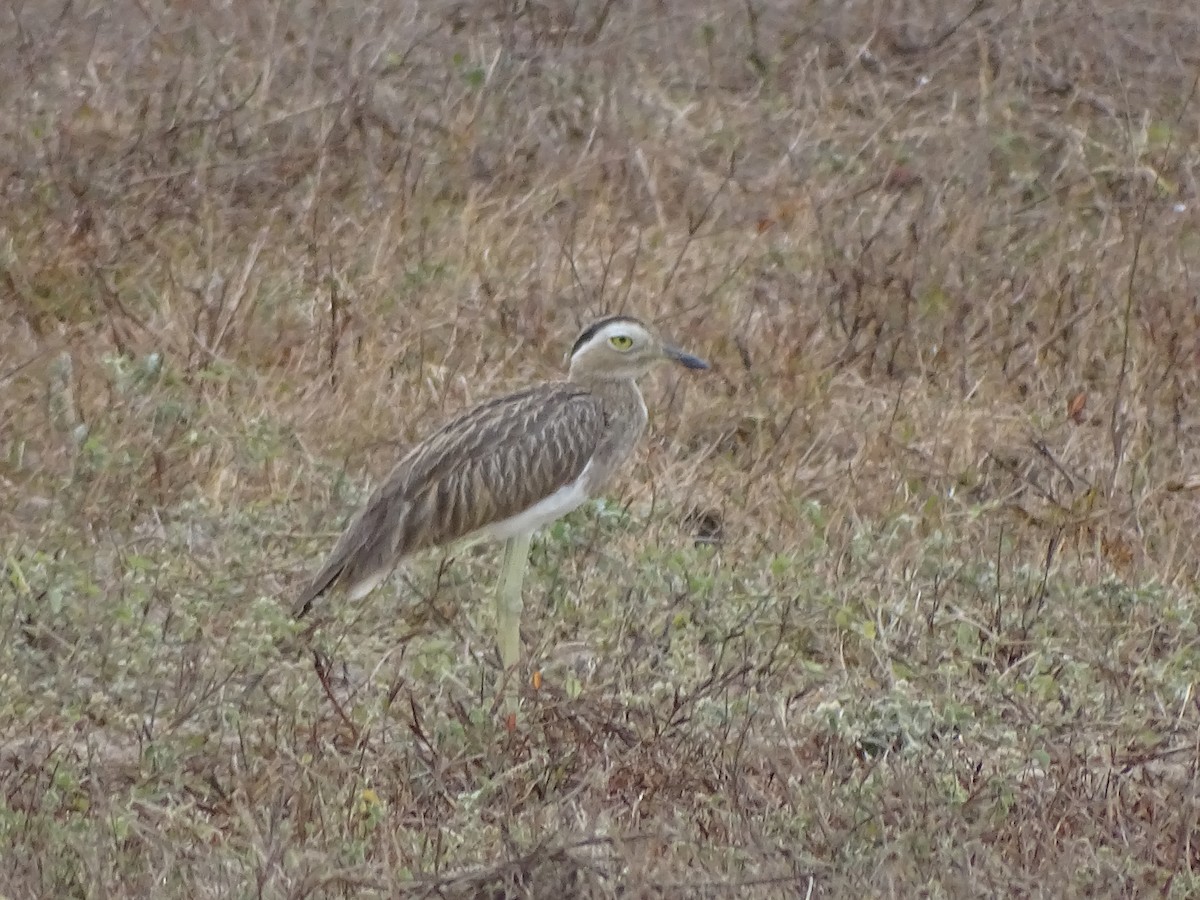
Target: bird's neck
column 613, row 391
column 625, row 420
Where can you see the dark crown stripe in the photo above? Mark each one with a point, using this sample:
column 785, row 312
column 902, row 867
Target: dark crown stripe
column 590, row 332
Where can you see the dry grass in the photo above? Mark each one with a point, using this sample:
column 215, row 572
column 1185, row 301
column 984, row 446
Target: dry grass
column 945, row 638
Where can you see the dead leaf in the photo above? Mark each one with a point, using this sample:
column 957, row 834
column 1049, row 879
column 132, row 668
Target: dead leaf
column 1076, row 407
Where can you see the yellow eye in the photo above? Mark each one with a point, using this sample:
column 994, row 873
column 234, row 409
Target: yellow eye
column 621, row 341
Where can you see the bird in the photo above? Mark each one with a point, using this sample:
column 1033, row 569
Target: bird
column 504, row 469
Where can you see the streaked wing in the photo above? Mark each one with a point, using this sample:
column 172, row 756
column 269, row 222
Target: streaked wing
column 485, row 466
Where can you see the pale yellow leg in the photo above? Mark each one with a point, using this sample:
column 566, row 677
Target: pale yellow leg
column 508, row 599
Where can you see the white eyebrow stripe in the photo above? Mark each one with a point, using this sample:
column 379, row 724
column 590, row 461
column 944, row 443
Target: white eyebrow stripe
column 611, row 330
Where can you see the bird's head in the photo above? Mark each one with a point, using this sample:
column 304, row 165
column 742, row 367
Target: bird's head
column 623, row 347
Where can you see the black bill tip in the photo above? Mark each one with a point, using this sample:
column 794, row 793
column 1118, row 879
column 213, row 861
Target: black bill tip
column 685, row 359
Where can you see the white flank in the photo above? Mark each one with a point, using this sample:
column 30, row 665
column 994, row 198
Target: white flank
column 564, row 500
column 555, row 506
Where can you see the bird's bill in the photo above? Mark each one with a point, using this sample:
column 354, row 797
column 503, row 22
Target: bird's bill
column 684, row 359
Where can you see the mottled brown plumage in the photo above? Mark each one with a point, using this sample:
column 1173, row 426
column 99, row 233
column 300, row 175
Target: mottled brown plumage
column 507, row 466
column 481, row 468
